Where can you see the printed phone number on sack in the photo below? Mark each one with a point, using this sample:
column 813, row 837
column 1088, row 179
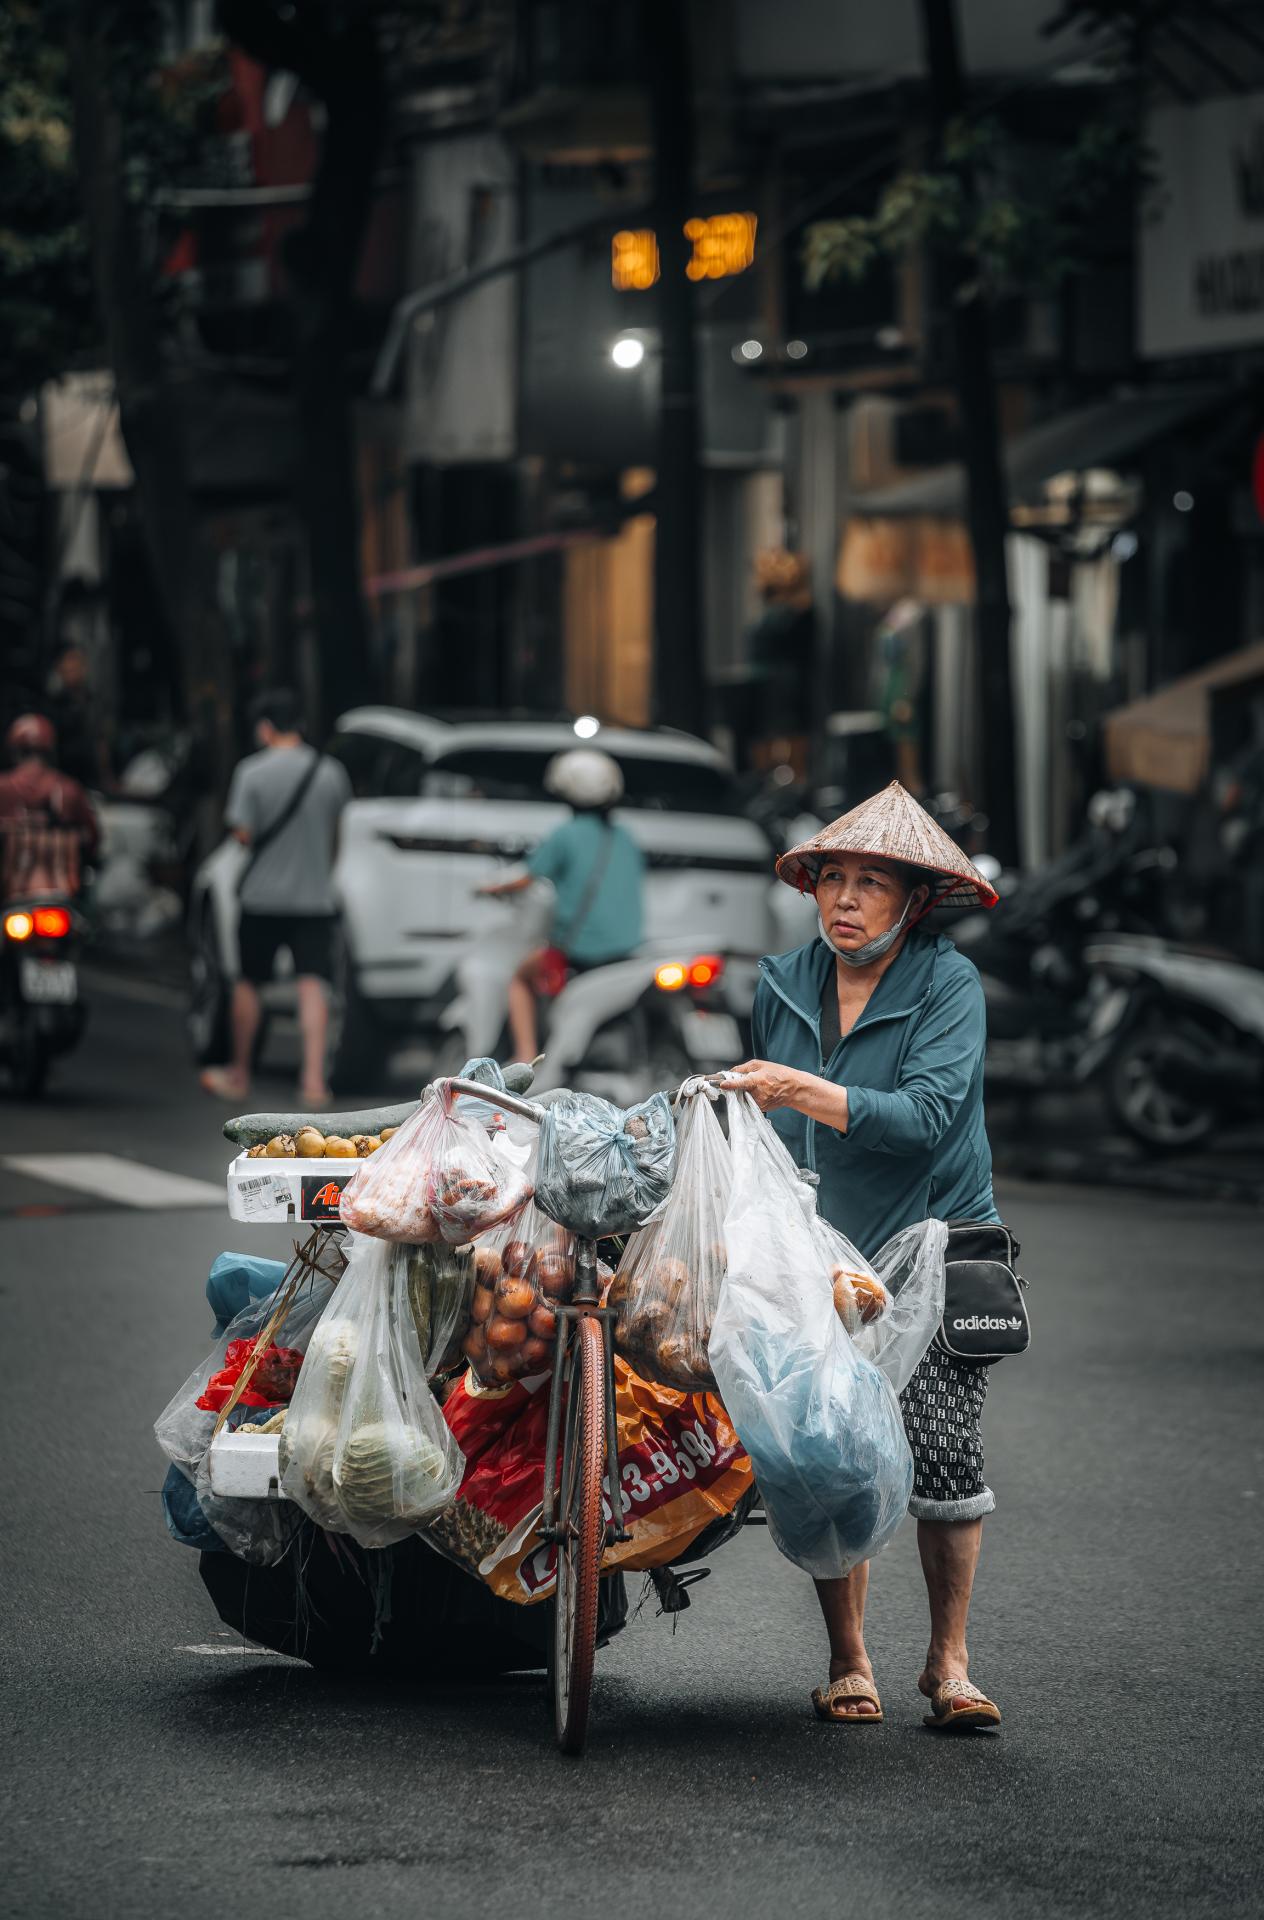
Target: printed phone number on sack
column 652, row 1483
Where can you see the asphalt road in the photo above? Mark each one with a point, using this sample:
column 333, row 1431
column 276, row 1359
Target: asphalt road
column 157, row 1767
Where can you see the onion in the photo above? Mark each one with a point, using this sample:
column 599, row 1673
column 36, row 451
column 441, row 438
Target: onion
column 481, row 1305
column 515, row 1297
column 505, row 1336
column 536, row 1353
column 543, row 1323
column 517, row 1257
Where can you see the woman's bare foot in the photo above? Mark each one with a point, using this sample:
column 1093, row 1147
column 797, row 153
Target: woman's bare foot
column 858, row 1709
column 225, row 1083
column 940, row 1670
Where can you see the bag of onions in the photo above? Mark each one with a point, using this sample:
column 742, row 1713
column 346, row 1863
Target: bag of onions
column 521, row 1271
column 668, row 1282
column 440, row 1177
column 365, row 1449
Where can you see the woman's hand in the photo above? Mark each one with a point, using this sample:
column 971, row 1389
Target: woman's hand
column 768, row 1085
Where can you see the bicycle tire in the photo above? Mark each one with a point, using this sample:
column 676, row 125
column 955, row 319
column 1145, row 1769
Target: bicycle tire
column 582, row 1519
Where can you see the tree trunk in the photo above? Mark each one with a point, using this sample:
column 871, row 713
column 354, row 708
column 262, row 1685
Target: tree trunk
column 988, row 506
column 679, row 640
column 335, row 54
column 149, row 414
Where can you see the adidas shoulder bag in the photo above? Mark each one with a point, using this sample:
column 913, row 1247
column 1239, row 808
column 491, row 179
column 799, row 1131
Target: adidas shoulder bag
column 985, row 1307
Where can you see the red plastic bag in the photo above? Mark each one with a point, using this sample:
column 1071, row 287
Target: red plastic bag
column 439, row 1178
column 681, row 1466
column 273, row 1384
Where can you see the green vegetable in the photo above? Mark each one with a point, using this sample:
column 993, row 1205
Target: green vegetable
column 256, row 1129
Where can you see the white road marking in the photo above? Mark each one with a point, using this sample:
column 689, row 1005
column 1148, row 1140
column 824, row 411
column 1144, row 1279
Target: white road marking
column 108, row 1175
column 233, row 1653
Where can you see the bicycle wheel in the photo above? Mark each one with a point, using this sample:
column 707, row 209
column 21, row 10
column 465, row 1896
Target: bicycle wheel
column 583, row 1528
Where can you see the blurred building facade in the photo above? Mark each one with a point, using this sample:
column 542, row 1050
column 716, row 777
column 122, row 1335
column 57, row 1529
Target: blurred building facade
column 506, row 461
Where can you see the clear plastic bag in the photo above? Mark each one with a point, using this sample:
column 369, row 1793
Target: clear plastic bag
column 523, row 1269
column 910, row 1268
column 255, row 1530
column 439, row 1178
column 365, row 1449
column 440, row 1283
column 667, row 1286
column 603, row 1169
column 821, row 1423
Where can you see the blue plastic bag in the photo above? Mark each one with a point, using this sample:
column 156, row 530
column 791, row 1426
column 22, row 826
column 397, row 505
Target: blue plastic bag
column 820, row 1422
column 603, row 1169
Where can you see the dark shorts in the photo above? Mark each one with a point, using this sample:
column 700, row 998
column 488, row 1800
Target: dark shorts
column 941, row 1406
column 309, row 937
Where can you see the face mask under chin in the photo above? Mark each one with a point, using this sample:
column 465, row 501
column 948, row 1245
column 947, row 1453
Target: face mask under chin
column 874, row 949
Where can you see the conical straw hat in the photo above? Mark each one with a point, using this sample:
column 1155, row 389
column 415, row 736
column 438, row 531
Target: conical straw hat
column 893, row 826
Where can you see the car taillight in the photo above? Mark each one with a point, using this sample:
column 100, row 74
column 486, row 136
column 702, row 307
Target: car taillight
column 19, row 926
column 704, row 971
column 52, row 923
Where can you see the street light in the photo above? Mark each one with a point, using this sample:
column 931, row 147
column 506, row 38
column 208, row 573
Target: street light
column 627, row 352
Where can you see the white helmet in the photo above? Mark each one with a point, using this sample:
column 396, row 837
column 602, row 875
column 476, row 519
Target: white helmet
column 584, row 778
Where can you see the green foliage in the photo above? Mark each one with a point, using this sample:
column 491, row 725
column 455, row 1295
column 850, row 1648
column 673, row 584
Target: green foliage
column 977, row 204
column 47, row 320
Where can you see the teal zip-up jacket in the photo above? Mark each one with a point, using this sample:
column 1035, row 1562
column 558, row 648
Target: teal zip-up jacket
column 916, row 1147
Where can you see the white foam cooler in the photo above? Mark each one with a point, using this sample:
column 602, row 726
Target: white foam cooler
column 263, row 1191
column 244, row 1465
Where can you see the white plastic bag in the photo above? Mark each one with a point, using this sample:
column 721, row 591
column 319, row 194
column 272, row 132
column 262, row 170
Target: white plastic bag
column 440, row 1177
column 255, row 1530
column 365, row 1449
column 894, row 1326
column 820, row 1422
column 667, row 1286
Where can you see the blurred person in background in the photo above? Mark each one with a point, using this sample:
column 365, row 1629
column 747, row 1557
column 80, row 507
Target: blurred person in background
column 597, row 871
column 76, row 716
column 284, row 806
column 36, row 796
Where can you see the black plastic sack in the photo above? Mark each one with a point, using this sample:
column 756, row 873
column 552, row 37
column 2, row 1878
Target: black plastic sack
column 603, row 1169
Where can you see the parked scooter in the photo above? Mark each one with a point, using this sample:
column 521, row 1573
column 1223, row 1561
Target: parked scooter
column 621, row 1030
column 41, row 1011
column 1190, row 1053
column 1053, row 1020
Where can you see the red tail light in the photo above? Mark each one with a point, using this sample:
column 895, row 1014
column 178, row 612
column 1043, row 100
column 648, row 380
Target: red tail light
column 705, row 970
column 51, row 923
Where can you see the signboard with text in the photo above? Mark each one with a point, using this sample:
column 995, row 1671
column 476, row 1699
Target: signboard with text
column 1202, row 241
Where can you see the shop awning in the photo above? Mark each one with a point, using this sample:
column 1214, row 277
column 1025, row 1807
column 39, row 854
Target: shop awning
column 911, row 538
column 1165, row 740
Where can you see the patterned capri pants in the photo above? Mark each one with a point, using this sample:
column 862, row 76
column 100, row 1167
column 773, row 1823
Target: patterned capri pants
column 941, row 1406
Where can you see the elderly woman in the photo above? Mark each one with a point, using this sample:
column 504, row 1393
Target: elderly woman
column 871, row 1042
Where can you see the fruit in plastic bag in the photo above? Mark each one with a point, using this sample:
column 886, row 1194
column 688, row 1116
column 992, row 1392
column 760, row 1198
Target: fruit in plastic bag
column 365, row 1449
column 820, row 1422
column 603, row 1170
column 891, row 1313
column 524, row 1268
column 667, row 1287
column 438, row 1178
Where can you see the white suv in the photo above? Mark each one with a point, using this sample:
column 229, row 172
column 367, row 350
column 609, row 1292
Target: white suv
column 439, row 807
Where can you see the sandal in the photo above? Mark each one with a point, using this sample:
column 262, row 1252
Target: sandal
column 981, row 1712
column 223, row 1084
column 852, row 1686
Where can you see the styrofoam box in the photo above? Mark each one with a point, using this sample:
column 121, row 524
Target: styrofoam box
column 263, row 1191
column 244, row 1465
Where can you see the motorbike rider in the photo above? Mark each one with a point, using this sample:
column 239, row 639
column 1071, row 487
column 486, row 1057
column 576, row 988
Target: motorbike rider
column 597, row 871
column 47, row 821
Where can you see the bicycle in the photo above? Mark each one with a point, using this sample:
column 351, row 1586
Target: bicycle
column 581, row 1455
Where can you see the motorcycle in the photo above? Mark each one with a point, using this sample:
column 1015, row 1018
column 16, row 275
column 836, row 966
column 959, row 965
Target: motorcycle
column 1190, row 1056
column 1053, row 1020
column 41, row 1011
column 621, row 1030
